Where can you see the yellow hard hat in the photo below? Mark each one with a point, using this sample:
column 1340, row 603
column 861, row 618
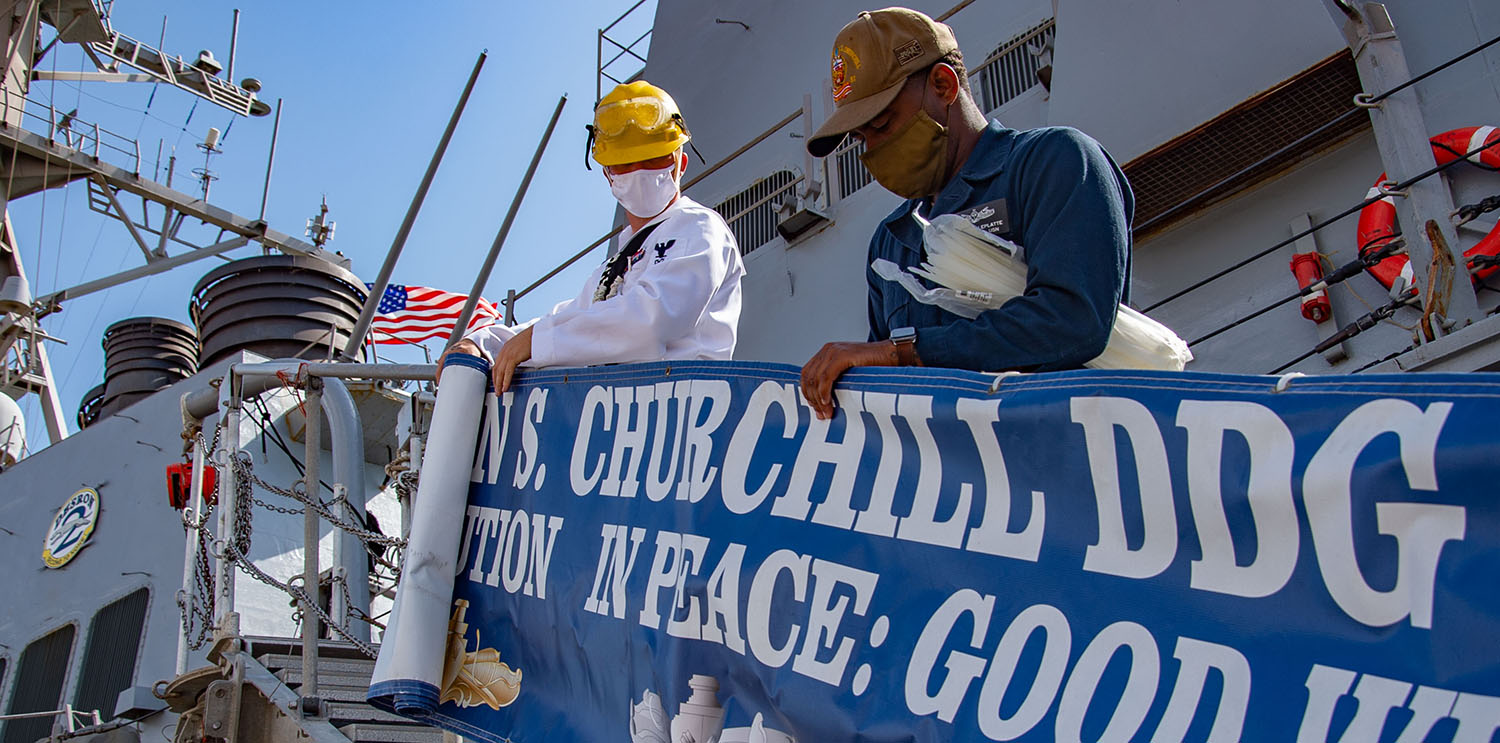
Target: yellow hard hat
column 636, row 121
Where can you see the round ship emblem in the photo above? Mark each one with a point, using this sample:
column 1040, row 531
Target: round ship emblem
column 71, row 528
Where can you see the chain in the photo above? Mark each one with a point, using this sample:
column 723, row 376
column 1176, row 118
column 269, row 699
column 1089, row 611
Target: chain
column 300, row 595
column 245, row 474
column 199, row 607
column 354, row 612
column 1470, row 212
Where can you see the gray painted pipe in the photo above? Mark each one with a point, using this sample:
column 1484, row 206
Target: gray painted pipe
column 349, row 470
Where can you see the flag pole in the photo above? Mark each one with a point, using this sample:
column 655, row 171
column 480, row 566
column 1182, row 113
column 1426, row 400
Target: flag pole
column 372, row 302
column 489, row 261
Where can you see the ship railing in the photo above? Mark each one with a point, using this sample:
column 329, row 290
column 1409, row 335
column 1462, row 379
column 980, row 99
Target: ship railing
column 213, row 552
column 1014, row 68
column 67, row 130
column 71, row 724
column 754, row 224
column 620, row 50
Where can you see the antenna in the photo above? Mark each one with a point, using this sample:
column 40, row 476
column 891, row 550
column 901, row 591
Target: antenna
column 319, row 228
column 210, row 147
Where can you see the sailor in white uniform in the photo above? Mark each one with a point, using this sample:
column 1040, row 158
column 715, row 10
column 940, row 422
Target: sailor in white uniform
column 672, row 291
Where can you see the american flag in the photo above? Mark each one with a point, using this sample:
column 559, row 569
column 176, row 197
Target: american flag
column 412, row 314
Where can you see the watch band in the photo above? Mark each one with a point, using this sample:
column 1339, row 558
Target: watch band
column 904, row 341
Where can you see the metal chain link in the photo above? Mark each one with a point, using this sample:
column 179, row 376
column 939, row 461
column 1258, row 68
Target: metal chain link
column 301, row 596
column 244, row 472
column 200, row 605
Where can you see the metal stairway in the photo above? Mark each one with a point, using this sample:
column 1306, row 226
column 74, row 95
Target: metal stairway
column 342, row 680
column 254, row 695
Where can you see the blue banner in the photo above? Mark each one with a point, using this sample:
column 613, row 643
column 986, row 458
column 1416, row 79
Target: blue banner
column 682, row 552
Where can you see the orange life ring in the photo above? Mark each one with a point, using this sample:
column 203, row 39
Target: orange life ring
column 1377, row 222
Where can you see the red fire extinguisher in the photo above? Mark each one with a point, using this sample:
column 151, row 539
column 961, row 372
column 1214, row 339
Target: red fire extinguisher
column 1308, row 268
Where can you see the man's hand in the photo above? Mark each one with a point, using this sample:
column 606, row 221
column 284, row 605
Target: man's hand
column 463, row 346
column 515, row 351
column 824, row 369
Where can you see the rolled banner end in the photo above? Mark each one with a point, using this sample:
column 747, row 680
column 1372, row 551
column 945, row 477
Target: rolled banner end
column 469, row 360
column 405, row 697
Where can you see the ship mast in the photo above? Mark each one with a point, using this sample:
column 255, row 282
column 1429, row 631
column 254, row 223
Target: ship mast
column 42, row 148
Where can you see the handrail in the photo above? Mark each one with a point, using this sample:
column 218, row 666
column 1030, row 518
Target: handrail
column 1014, row 45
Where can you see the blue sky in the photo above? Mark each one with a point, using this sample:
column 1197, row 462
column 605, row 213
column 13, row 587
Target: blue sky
column 367, row 90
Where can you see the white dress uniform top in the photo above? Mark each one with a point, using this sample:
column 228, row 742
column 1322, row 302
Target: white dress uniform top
column 680, row 299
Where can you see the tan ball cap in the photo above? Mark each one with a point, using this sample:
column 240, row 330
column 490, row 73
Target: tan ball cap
column 872, row 58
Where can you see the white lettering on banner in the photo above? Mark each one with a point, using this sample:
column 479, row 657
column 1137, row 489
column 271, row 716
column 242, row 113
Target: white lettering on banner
column 1478, row 716
column 823, row 620
column 879, row 518
column 628, row 413
column 492, row 435
column 697, row 474
column 758, row 608
column 1099, row 417
column 631, row 415
column 1140, row 685
column 527, row 462
column 677, row 556
column 923, row 524
column 522, row 552
column 1197, row 657
column 659, row 485
column 1420, row 529
column 734, row 487
column 580, row 476
column 817, row 450
column 962, row 667
column 722, row 623
column 1268, row 490
column 616, row 560
column 477, row 519
column 1045, row 683
column 993, row 535
column 690, row 626
column 1130, row 709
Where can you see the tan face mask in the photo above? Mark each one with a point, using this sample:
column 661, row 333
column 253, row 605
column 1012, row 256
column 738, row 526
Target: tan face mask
column 911, row 164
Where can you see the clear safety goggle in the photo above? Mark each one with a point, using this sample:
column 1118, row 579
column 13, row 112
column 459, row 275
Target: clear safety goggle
column 644, row 113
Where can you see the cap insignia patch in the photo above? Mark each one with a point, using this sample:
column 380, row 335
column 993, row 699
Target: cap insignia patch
column 908, row 51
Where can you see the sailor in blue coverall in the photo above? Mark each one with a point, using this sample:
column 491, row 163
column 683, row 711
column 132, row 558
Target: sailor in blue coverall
column 1053, row 191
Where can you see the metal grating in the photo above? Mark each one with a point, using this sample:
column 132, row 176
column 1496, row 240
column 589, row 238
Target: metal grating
column 109, row 658
column 849, row 169
column 751, row 213
column 1011, row 69
column 1243, row 145
column 38, row 686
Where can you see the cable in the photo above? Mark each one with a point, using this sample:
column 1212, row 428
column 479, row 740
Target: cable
column 1294, row 238
column 1339, row 275
column 1364, row 323
column 1434, row 71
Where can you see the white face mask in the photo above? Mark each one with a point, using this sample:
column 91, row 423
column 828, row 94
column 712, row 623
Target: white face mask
column 645, row 193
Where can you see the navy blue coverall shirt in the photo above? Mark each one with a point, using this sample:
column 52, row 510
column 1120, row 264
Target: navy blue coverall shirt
column 1069, row 207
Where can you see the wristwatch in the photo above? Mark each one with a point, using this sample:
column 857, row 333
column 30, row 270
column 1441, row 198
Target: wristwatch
column 905, row 341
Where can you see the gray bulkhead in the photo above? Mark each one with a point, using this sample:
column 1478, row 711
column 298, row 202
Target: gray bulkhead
column 139, row 538
column 1135, row 76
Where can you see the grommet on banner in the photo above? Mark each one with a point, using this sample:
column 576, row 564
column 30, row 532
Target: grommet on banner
column 1286, row 380
column 1001, row 377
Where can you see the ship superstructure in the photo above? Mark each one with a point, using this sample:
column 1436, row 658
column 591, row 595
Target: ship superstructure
column 1237, row 124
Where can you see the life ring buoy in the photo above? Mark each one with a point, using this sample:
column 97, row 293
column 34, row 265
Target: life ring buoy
column 1377, row 222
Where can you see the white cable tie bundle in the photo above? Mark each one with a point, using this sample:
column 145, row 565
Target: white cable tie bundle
column 977, row 271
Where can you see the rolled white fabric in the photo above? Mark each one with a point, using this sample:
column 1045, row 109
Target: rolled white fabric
column 408, row 674
column 982, row 272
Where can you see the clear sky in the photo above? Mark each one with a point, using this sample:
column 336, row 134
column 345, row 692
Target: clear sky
column 367, row 90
